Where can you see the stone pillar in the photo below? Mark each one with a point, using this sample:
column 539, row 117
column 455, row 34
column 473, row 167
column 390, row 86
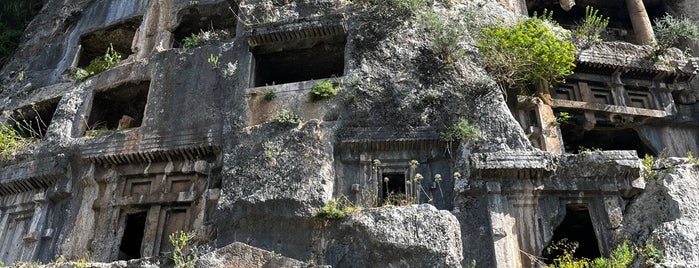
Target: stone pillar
column 502, row 227
column 153, row 33
column 641, row 22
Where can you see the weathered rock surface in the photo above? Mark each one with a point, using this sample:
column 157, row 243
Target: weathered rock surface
column 239, row 255
column 412, row 236
column 666, row 214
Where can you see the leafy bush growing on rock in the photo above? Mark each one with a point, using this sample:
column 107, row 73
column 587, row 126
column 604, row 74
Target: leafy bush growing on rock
column 323, row 89
column 285, row 117
column 191, row 41
column 331, row 211
column 446, row 36
column 592, row 26
column 620, row 257
column 183, row 253
column 528, row 52
column 11, row 142
column 462, row 130
column 670, row 31
column 110, row 59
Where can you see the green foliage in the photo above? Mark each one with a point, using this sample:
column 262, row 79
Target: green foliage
column 330, row 211
column 14, row 17
column 528, row 52
column 562, row 118
column 110, row 59
column 191, row 41
column 276, row 255
column 93, row 133
column 270, row 94
column 182, row 249
column 472, row 264
column 285, row 117
column 565, row 258
column 583, row 149
column 648, row 165
column 670, row 31
column 270, row 149
column 692, row 160
column 323, row 89
column 446, row 36
column 20, row 132
column 651, row 254
column 621, row 257
column 411, row 6
column 462, row 130
column 592, row 26
column 213, row 60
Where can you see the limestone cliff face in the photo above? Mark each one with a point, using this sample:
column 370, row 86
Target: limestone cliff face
column 222, row 138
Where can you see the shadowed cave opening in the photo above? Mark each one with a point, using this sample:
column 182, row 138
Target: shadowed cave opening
column 576, row 227
column 576, row 138
column 130, row 247
column 119, row 108
column 395, row 185
column 33, row 121
column 325, row 59
column 202, row 18
column 94, row 45
column 619, row 29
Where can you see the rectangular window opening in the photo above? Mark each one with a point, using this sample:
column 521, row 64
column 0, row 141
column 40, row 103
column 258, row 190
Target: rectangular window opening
column 315, row 59
column 132, row 239
column 120, row 36
column 214, row 19
column 119, row 108
column 33, row 121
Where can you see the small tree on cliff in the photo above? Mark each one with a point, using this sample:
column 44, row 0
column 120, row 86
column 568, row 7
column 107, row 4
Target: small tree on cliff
column 534, row 51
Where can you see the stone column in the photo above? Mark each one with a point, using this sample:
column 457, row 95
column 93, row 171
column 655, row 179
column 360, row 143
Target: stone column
column 641, row 22
column 506, row 247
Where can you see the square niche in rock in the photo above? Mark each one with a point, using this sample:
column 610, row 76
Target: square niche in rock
column 215, row 21
column 319, row 54
column 118, row 108
column 32, row 121
column 120, row 36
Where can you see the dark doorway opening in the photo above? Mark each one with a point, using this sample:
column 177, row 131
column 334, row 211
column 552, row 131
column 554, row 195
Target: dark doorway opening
column 119, row 108
column 576, row 228
column 395, row 185
column 131, row 241
column 324, row 60
column 120, row 36
column 576, row 138
column 33, row 121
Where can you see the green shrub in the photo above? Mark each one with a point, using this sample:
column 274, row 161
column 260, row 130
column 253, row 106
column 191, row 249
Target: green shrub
column 527, row 52
column 648, row 165
column 651, row 254
column 592, row 26
column 323, row 89
column 183, row 249
column 670, row 31
column 11, row 141
column 462, row 130
column 285, row 117
column 270, row 94
column 111, row 58
column 330, row 211
column 446, row 36
column 692, row 160
column 411, row 6
column 191, row 41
